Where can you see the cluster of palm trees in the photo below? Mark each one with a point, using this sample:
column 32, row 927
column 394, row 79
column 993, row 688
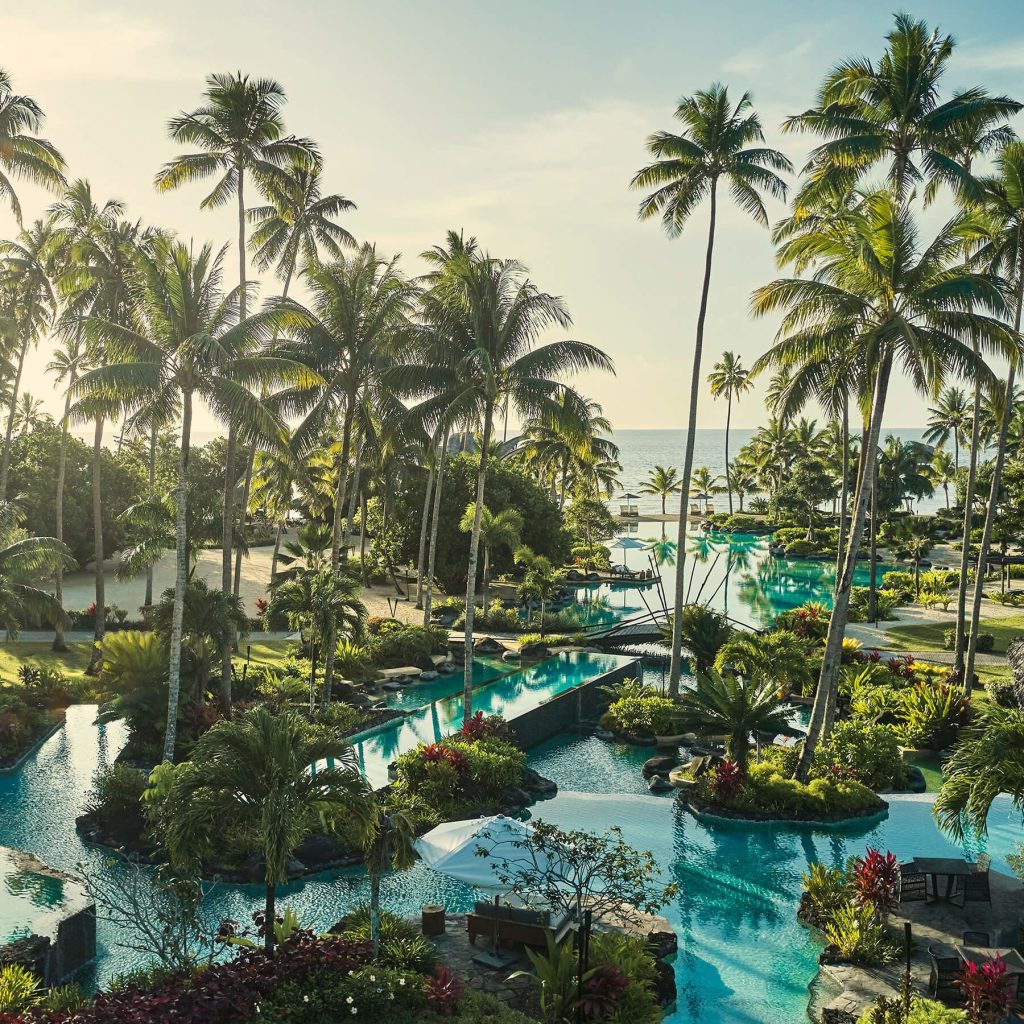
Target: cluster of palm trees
column 375, row 374
column 871, row 293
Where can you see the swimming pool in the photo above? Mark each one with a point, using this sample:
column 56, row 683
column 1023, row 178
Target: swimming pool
column 416, row 695
column 742, row 955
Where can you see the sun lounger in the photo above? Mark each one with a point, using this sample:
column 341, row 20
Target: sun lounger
column 516, row 925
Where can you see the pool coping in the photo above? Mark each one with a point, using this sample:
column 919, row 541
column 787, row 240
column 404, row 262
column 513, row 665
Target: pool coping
column 29, row 751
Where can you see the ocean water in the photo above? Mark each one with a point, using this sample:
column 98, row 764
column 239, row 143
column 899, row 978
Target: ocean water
column 641, row 450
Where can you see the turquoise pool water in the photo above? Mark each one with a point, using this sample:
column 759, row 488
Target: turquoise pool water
column 733, row 573
column 742, row 956
column 510, row 695
column 416, row 695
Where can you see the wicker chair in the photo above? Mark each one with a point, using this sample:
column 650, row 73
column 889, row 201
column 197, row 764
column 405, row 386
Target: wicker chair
column 982, row 939
column 942, row 984
column 913, row 885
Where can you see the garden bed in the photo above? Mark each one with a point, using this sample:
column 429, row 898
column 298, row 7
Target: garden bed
column 706, row 811
column 13, row 761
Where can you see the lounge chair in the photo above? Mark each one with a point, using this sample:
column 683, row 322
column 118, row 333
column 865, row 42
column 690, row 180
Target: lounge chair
column 516, row 925
column 942, row 984
column 913, row 885
column 694, row 509
column 710, row 509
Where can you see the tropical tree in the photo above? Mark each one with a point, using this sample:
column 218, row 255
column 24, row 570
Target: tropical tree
column 388, row 847
column 322, row 604
column 23, row 560
column 911, row 538
column 255, row 772
column 948, row 420
column 704, row 632
column 23, row 154
column 703, row 481
column 185, row 342
column 493, row 315
column 987, row 760
column 729, row 380
column 718, row 144
column 894, row 300
column 725, row 704
column 779, row 654
column 541, row 580
column 238, row 132
column 943, row 471
column 662, row 481
column 497, row 530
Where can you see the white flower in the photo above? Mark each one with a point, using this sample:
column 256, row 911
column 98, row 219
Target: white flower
column 373, row 977
column 305, row 999
column 354, row 1010
column 401, row 981
column 349, row 1000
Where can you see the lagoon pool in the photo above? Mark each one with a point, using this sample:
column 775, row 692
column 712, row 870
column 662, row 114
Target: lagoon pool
column 743, row 958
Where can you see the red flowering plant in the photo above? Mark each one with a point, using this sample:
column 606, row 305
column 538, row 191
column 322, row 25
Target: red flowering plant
column 726, row 781
column 602, row 992
column 876, row 882
column 987, row 991
column 481, row 727
column 902, row 666
column 443, row 991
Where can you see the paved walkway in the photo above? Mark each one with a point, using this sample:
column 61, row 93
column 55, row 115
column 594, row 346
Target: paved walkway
column 78, row 636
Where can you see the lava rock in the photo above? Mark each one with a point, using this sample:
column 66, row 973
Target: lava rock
column 511, row 656
column 488, row 645
column 429, row 675
column 659, row 784
column 660, row 765
column 538, row 786
column 30, row 952
column 665, row 983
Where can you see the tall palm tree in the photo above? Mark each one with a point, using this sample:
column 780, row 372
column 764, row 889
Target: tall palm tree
column 890, row 112
column 999, row 235
column 718, row 144
column 948, row 420
column 882, row 292
column 298, row 226
column 23, row 154
column 729, row 380
column 255, row 772
column 185, row 342
column 28, row 302
column 494, row 315
column 943, row 471
column 238, row 132
column 497, row 530
column 662, row 481
column 389, row 847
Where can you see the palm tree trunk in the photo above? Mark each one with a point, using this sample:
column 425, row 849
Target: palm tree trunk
column 823, row 709
column 728, row 423
column 960, row 641
column 227, row 543
column 486, row 585
column 340, row 495
column 844, row 492
column 100, row 618
column 357, row 477
column 375, row 911
column 277, row 549
column 997, row 479
column 270, row 916
column 180, row 580
column 362, row 537
column 474, row 551
column 148, row 599
column 5, row 460
column 424, row 524
column 565, row 478
column 434, row 523
column 873, row 560
column 676, row 664
column 62, row 462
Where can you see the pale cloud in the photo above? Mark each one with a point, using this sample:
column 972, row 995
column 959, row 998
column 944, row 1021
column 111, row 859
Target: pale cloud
column 103, row 45
column 768, row 54
column 1007, row 56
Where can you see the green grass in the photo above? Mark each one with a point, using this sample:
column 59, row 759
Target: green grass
column 929, row 636
column 266, row 652
column 16, row 653
column 931, row 770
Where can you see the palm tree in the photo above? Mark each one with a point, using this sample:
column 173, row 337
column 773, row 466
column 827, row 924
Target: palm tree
column 255, row 772
column 729, row 380
column 186, row 342
column 541, row 580
column 663, row 481
column 297, row 226
column 704, row 632
column 29, row 414
column 999, row 235
column 493, row 315
column 948, row 419
column 22, row 561
column 703, row 481
column 988, row 760
column 22, row 153
column 742, row 478
column 724, row 704
column 879, row 291
column 890, row 111
column 911, row 538
column 322, row 603
column 238, row 131
column 943, row 471
column 388, row 847
column 780, row 655
column 497, row 530
column 716, row 144
column 28, row 302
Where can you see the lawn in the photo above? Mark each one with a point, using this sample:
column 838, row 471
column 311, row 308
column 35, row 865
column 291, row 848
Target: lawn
column 266, row 652
column 15, row 653
column 928, row 636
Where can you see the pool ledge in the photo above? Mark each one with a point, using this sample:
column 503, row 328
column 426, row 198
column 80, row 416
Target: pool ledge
column 867, row 819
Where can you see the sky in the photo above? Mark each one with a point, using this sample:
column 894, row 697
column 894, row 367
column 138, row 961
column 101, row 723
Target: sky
column 519, row 123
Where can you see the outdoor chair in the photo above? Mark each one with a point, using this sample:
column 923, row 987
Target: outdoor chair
column 913, row 885
column 982, row 939
column 942, row 984
column 517, row 926
column 974, row 888
column 694, row 509
column 710, row 509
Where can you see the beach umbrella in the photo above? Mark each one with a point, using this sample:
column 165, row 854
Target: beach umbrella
column 627, row 544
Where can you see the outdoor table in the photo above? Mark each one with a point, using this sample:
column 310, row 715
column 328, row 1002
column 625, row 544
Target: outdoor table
column 951, row 867
column 980, row 954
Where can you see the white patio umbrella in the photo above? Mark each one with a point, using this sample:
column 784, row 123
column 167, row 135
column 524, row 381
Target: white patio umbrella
column 627, row 544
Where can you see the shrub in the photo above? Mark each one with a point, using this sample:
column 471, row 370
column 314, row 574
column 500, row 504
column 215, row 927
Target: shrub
column 802, row 549
column 398, row 645
column 19, row 989
column 933, row 714
column 1001, row 692
column 922, row 1011
column 810, row 620
column 115, row 798
column 867, row 753
column 743, row 524
column 825, row 889
column 901, row 583
column 353, row 661
column 643, row 715
column 876, row 880
column 986, row 642
column 859, row 937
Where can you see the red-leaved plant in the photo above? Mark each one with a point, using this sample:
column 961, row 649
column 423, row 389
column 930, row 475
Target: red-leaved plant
column 602, row 992
column 876, row 882
column 726, row 781
column 987, row 991
column 443, row 991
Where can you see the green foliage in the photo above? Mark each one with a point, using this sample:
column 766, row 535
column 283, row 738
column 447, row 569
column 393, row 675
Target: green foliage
column 825, row 889
column 868, row 753
column 886, row 602
column 353, row 661
column 19, row 989
column 922, row 1011
column 643, row 715
column 985, row 645
column 859, row 937
column 402, row 946
column 704, row 631
column 116, row 795
column 933, row 715
column 133, row 672
column 743, row 524
column 1002, row 692
column 395, row 645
